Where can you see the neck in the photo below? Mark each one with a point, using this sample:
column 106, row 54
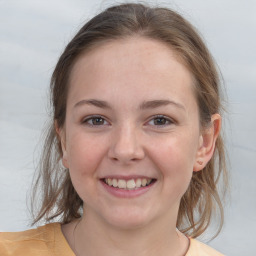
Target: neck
column 95, row 237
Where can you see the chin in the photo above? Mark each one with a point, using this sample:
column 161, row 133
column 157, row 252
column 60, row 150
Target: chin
column 128, row 220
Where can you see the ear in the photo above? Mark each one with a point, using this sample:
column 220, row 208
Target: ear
column 207, row 142
column 62, row 140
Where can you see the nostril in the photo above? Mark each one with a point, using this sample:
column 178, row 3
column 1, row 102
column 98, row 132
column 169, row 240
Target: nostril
column 125, row 149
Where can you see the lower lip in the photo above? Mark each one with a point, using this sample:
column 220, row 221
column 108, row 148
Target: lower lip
column 125, row 193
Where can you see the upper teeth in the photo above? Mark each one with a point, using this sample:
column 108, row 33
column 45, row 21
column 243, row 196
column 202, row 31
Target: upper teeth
column 129, row 184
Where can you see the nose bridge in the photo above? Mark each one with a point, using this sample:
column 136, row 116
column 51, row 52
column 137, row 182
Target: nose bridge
column 126, row 144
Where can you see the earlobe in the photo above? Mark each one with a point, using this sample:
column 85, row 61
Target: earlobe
column 64, row 155
column 62, row 141
column 207, row 143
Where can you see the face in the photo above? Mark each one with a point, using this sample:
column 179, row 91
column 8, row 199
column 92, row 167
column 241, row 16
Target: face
column 131, row 137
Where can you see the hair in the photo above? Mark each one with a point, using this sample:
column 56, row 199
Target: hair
column 54, row 195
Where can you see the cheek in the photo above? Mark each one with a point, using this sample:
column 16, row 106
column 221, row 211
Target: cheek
column 84, row 154
column 84, row 157
column 174, row 162
column 175, row 159
column 177, row 151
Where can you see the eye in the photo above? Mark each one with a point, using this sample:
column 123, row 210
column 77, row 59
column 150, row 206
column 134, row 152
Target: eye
column 95, row 121
column 160, row 120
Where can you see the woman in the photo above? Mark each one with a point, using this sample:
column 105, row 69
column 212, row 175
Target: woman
column 136, row 125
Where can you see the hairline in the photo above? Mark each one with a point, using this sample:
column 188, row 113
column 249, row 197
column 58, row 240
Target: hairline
column 139, row 35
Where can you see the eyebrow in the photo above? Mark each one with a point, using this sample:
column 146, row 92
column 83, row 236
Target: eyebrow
column 160, row 103
column 93, row 102
column 145, row 105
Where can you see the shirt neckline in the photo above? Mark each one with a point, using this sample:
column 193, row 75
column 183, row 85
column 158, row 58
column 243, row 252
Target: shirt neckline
column 63, row 247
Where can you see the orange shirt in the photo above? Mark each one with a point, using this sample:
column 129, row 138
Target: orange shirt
column 49, row 240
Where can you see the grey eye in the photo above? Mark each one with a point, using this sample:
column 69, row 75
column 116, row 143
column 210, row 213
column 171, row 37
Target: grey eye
column 97, row 121
column 161, row 121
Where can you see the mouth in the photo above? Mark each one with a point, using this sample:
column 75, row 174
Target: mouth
column 130, row 184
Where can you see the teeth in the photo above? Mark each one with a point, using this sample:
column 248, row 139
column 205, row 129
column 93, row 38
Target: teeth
column 114, row 183
column 121, row 184
column 110, row 182
column 144, row 182
column 130, row 184
column 138, row 183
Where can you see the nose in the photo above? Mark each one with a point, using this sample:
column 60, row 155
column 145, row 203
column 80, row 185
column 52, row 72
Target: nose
column 126, row 145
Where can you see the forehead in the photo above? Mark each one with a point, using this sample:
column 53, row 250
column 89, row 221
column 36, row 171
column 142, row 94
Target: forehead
column 134, row 50
column 147, row 66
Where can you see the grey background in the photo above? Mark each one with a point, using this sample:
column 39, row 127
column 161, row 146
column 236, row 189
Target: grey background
column 32, row 36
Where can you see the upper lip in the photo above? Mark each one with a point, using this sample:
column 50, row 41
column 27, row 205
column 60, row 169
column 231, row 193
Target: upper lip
column 128, row 177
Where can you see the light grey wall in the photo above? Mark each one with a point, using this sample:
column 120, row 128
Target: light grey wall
column 32, row 35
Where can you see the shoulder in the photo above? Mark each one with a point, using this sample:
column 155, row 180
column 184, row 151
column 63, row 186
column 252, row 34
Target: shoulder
column 197, row 248
column 39, row 241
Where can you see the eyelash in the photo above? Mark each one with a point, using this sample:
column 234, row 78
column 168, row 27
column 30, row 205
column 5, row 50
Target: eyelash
column 103, row 119
column 91, row 118
column 167, row 119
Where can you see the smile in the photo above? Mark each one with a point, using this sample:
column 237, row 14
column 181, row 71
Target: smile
column 131, row 184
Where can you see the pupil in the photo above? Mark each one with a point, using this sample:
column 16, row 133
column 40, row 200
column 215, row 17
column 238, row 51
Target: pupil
column 160, row 121
column 97, row 121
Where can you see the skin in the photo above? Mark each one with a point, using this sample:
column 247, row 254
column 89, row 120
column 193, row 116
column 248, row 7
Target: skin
column 117, row 82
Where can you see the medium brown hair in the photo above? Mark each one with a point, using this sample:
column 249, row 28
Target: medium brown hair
column 58, row 196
